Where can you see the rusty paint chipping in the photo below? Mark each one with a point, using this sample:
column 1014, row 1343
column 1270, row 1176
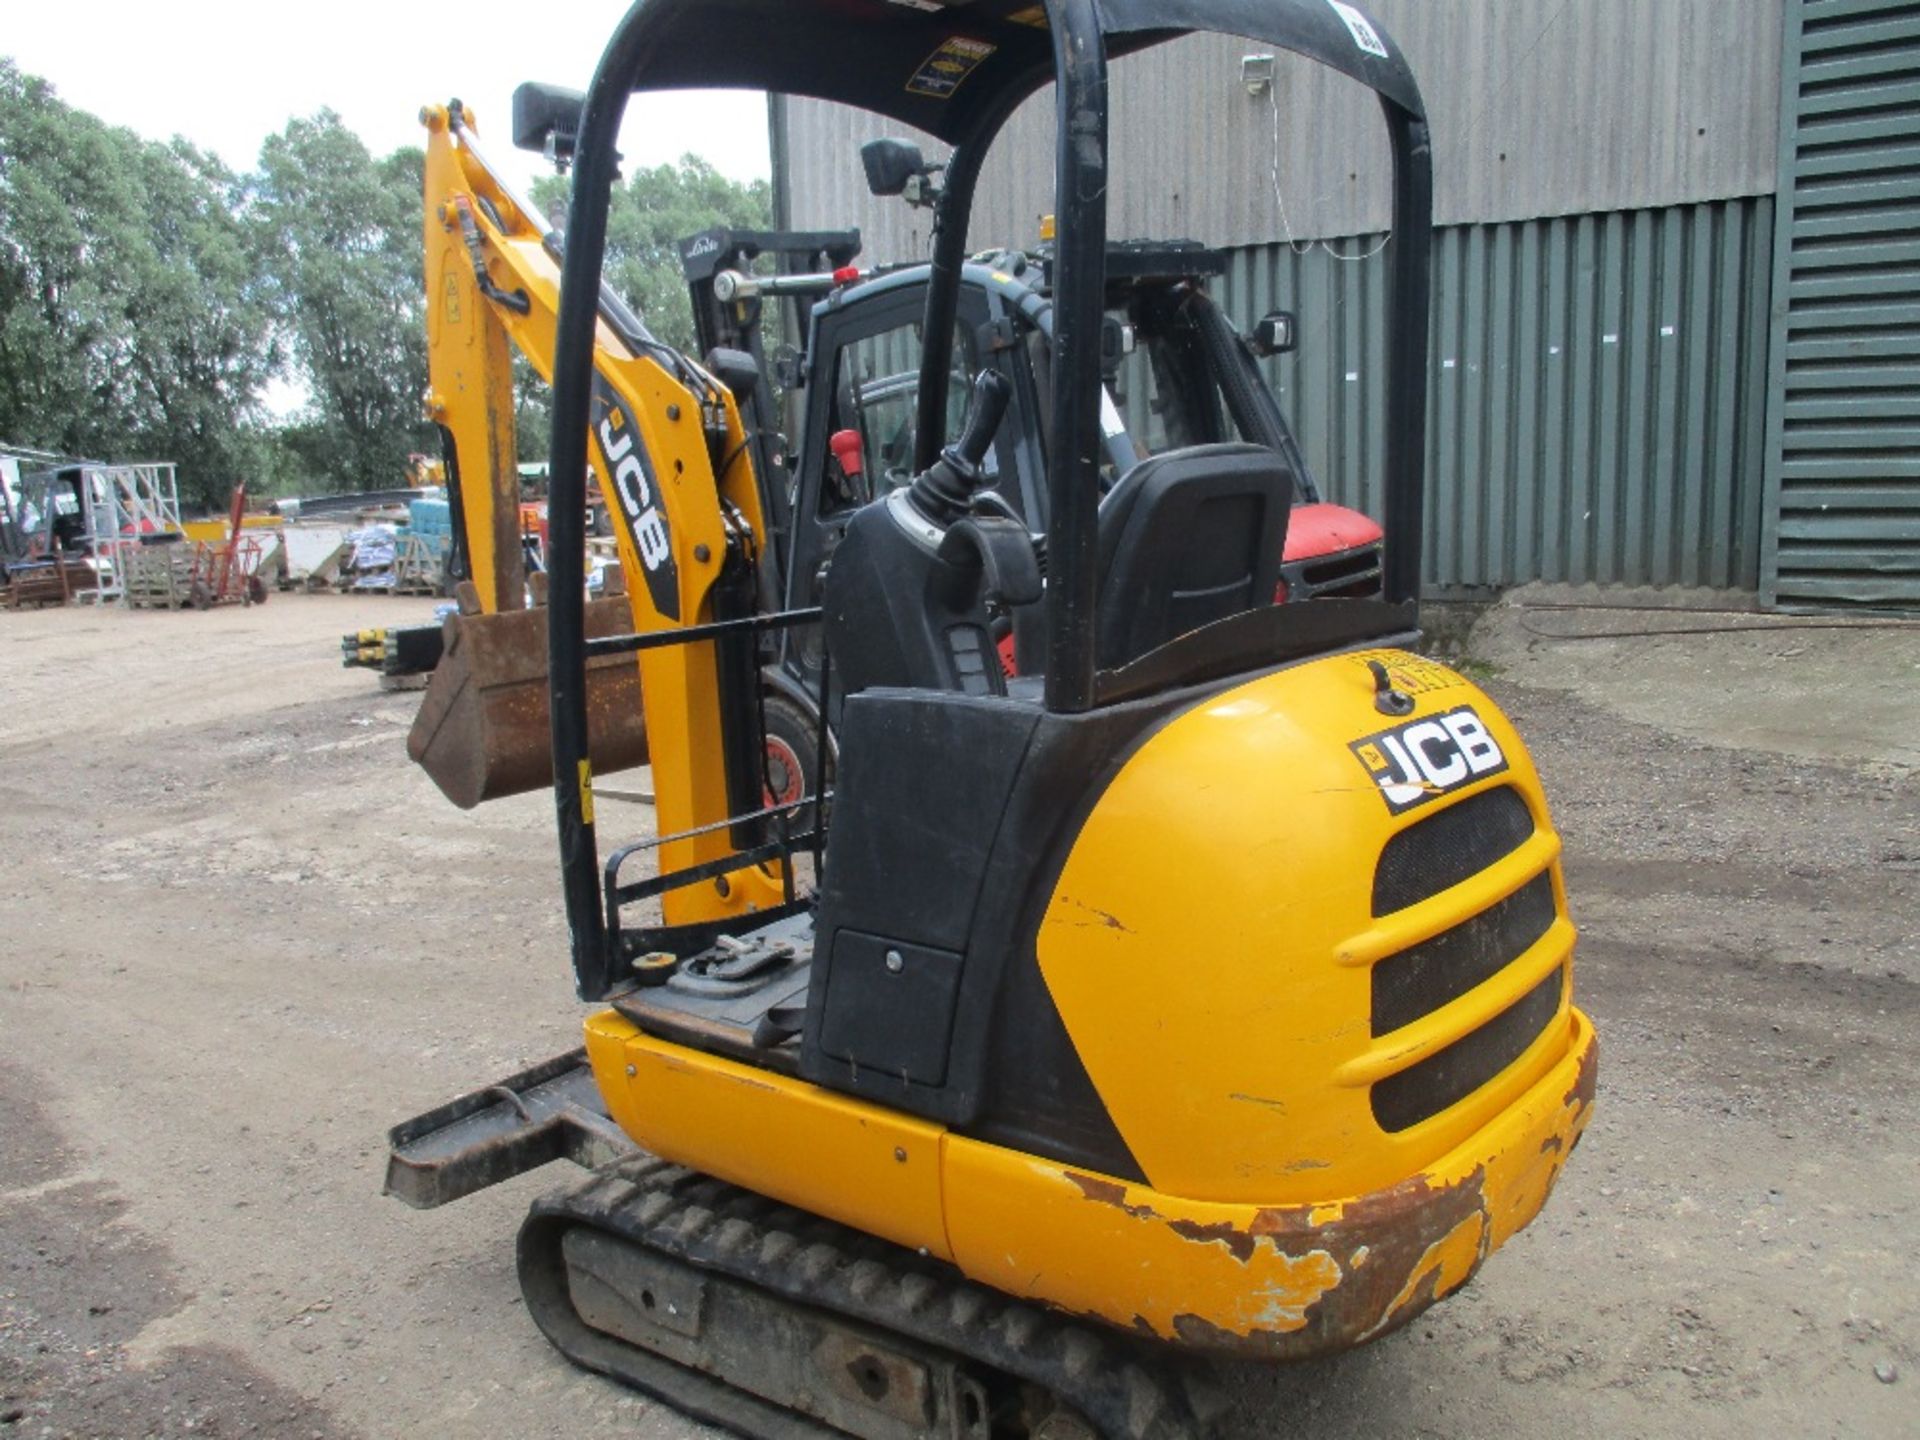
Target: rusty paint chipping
column 1104, row 917
column 1348, row 1272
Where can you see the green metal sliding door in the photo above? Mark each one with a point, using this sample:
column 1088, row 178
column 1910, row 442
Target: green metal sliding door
column 1843, row 425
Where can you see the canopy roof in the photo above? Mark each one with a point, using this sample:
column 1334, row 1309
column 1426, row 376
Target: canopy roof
column 956, row 69
column 945, row 66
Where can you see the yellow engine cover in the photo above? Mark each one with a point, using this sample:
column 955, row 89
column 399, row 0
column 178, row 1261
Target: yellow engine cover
column 1210, row 945
column 1211, row 940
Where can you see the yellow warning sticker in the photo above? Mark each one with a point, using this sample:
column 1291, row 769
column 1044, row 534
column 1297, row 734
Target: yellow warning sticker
column 586, row 792
column 1034, row 15
column 1411, row 673
column 941, row 72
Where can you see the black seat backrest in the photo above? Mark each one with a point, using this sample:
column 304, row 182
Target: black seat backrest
column 1187, row 538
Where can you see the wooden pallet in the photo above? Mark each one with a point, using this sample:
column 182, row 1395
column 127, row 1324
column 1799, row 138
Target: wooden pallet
column 175, row 577
column 51, row 582
column 161, row 577
column 418, row 567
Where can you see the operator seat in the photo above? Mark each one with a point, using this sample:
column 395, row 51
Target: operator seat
column 1186, row 538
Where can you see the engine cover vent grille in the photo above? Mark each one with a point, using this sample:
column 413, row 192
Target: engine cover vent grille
column 1424, row 1090
column 1422, row 978
column 1449, row 846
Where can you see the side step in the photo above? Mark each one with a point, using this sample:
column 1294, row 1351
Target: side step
column 550, row 1112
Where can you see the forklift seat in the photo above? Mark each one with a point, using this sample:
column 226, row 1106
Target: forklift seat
column 1186, row 538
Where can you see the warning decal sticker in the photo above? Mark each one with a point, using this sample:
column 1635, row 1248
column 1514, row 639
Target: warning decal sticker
column 1361, row 28
column 1412, row 673
column 940, row 73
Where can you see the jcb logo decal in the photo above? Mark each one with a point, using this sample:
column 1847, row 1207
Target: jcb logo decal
column 625, row 463
column 1415, row 762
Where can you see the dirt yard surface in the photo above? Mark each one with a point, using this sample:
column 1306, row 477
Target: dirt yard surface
column 240, row 936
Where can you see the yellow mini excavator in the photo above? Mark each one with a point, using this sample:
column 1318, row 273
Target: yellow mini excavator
column 1203, row 990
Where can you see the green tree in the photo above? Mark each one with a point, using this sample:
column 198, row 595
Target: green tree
column 203, row 346
column 655, row 210
column 532, row 412
column 131, row 321
column 67, row 207
column 339, row 234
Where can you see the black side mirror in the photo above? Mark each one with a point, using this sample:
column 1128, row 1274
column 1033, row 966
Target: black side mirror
column 546, row 120
column 1273, row 334
column 896, row 167
column 891, row 164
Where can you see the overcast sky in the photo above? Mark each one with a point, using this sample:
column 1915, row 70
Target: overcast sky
column 226, row 74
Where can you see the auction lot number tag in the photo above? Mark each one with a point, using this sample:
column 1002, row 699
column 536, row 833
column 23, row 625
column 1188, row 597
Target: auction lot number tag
column 1361, row 28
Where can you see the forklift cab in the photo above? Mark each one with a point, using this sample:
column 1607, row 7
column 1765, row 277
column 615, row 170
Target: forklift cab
column 869, row 368
column 1170, row 359
column 54, row 512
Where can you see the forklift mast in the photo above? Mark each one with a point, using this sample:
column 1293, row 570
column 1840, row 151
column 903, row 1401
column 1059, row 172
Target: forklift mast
column 736, row 323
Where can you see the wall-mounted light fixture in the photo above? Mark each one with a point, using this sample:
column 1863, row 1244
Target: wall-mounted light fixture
column 1256, row 73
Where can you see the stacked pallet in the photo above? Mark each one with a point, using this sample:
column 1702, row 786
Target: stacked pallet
column 391, row 561
column 162, row 577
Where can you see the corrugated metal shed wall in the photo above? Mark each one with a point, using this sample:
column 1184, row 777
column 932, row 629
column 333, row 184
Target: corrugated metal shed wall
column 1538, row 107
column 1843, row 474
column 1599, row 379
column 1597, row 394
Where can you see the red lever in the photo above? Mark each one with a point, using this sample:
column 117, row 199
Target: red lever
column 845, row 445
column 846, row 275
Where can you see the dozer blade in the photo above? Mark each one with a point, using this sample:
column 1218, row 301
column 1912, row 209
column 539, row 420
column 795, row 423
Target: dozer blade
column 549, row 1112
column 483, row 728
column 776, row 1324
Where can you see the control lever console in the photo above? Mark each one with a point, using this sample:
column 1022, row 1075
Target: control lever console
column 914, row 585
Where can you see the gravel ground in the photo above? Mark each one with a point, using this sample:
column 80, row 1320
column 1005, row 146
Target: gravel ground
column 240, row 936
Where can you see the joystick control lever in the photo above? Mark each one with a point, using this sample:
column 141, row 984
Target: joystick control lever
column 944, row 490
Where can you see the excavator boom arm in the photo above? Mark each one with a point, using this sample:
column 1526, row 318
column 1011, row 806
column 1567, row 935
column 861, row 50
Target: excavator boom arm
column 667, row 446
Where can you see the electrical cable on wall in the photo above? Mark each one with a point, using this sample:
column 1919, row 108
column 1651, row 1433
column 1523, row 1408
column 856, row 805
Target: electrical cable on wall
column 1280, row 200
column 1755, row 623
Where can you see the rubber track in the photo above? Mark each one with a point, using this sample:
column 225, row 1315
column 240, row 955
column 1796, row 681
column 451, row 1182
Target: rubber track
column 799, row 1257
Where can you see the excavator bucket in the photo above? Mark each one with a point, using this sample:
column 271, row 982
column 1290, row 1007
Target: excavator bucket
column 483, row 727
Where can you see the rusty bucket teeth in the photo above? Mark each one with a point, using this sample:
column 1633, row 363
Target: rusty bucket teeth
column 483, row 728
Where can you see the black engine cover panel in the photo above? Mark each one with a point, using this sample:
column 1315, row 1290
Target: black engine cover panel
column 952, row 816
